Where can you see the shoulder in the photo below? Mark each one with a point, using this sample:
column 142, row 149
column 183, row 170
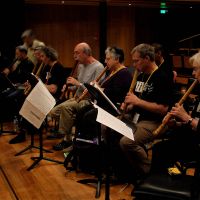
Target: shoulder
column 98, row 64
column 37, row 43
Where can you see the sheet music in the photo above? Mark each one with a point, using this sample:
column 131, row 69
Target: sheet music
column 37, row 105
column 112, row 122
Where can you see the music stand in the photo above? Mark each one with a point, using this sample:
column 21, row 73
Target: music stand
column 37, row 159
column 35, row 110
column 105, row 102
column 107, row 105
column 31, row 146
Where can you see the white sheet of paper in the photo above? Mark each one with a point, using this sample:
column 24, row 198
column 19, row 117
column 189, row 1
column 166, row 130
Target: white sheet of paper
column 37, row 105
column 112, row 122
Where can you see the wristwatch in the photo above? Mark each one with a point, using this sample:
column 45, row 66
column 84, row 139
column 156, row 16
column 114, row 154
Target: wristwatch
column 190, row 121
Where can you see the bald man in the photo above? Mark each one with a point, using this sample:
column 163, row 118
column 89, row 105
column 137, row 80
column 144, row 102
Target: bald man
column 88, row 70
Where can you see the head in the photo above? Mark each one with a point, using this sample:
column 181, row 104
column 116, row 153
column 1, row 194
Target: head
column 21, row 52
column 48, row 55
column 38, row 52
column 159, row 53
column 28, row 37
column 195, row 62
column 143, row 56
column 82, row 52
column 114, row 56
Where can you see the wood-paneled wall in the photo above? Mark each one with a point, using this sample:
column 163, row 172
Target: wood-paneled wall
column 63, row 26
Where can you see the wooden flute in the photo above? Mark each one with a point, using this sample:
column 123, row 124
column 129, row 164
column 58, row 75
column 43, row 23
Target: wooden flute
column 66, row 90
column 168, row 116
column 133, row 83
column 85, row 92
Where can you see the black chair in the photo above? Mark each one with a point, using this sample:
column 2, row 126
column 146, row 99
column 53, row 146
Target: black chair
column 161, row 184
column 167, row 187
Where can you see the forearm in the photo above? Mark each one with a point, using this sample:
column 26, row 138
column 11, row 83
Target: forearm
column 153, row 107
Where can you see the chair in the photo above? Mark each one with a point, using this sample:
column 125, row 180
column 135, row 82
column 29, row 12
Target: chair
column 167, row 187
column 160, row 184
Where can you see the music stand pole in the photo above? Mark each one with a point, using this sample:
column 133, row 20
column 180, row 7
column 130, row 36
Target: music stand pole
column 31, row 146
column 37, row 159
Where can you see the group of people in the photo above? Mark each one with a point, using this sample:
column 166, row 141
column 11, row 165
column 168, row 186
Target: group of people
column 149, row 102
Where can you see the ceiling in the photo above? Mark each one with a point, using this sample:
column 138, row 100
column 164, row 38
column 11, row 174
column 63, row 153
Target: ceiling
column 137, row 3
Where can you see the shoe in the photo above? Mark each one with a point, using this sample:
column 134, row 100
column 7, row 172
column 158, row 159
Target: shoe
column 21, row 137
column 62, row 145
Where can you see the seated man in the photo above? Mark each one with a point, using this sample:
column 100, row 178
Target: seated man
column 88, row 70
column 149, row 104
column 183, row 142
column 16, row 74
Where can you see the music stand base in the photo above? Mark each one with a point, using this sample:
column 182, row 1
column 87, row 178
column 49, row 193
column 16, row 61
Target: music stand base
column 30, row 147
column 38, row 159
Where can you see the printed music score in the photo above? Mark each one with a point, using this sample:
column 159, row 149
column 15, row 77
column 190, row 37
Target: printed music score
column 37, row 105
column 114, row 123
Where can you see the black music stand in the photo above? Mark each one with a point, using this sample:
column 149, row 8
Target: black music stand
column 31, row 146
column 107, row 105
column 33, row 80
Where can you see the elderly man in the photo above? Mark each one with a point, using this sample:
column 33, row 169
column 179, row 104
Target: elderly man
column 88, row 70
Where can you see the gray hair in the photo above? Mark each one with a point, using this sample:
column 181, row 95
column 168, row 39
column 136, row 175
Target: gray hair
column 50, row 53
column 27, row 33
column 87, row 50
column 116, row 53
column 145, row 50
column 195, row 60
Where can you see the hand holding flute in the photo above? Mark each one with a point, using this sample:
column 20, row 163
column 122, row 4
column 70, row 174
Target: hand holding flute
column 169, row 115
column 85, row 92
column 133, row 83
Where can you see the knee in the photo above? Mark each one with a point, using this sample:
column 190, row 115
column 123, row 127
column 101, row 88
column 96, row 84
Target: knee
column 125, row 143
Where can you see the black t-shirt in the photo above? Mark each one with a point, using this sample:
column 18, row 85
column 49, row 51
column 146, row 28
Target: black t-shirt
column 22, row 72
column 56, row 76
column 156, row 89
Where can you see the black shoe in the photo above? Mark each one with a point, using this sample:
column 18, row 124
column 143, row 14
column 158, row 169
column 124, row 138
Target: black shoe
column 62, row 145
column 21, row 137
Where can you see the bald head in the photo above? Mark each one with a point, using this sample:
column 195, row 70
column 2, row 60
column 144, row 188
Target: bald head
column 84, row 48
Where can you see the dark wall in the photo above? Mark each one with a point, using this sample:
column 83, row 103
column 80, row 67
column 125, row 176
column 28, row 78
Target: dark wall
column 179, row 23
column 12, row 22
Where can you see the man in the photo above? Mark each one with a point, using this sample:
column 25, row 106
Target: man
column 149, row 103
column 30, row 42
column 88, row 70
column 19, row 71
column 183, row 142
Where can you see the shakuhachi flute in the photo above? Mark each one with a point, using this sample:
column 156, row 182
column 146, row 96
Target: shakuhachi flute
column 168, row 116
column 133, row 83
column 39, row 69
column 66, row 90
column 85, row 92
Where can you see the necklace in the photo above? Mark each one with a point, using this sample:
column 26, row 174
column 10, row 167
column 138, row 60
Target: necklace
column 148, row 79
column 113, row 73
